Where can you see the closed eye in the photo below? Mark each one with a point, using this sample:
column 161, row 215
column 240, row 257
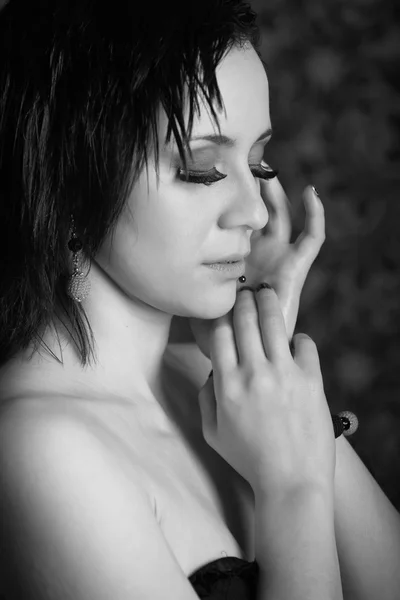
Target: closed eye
column 260, row 170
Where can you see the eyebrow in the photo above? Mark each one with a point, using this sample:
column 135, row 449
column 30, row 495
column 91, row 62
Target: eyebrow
column 223, row 140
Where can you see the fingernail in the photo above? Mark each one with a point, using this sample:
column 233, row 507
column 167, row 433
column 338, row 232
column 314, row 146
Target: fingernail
column 264, row 285
column 210, row 375
column 315, row 191
column 245, row 287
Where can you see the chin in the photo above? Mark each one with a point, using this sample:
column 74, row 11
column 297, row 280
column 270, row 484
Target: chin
column 216, row 304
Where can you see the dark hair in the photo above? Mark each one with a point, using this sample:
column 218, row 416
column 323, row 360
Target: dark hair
column 81, row 83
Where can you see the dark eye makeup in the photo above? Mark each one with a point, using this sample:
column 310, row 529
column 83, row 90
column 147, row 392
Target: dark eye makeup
column 260, row 170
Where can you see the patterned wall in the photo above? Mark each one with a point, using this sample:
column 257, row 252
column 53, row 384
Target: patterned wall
column 335, row 106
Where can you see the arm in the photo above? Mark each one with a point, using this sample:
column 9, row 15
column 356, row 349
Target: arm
column 367, row 525
column 295, row 547
column 367, row 531
column 74, row 525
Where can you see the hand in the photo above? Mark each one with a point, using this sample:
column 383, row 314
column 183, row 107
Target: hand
column 264, row 411
column 274, row 259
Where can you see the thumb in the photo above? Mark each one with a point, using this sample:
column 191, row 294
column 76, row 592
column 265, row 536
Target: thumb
column 289, row 301
column 208, row 409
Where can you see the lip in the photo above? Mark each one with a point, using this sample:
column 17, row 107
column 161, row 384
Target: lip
column 232, row 258
column 236, row 269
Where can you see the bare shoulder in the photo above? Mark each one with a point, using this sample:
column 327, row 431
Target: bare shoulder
column 75, row 526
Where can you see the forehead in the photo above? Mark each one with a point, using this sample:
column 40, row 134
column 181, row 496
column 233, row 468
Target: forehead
column 243, row 85
column 244, row 88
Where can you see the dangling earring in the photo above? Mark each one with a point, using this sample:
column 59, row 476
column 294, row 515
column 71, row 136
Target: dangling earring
column 78, row 287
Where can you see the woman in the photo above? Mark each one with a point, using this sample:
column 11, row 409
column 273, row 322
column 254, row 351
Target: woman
column 123, row 474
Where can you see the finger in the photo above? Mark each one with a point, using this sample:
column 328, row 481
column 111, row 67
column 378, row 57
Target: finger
column 246, row 326
column 306, row 356
column 272, row 327
column 223, row 352
column 309, row 242
column 280, row 211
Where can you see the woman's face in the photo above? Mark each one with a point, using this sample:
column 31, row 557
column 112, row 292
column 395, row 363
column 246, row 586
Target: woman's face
column 168, row 231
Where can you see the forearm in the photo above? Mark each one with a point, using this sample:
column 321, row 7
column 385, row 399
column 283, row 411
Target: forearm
column 295, row 548
column 367, row 526
column 367, row 530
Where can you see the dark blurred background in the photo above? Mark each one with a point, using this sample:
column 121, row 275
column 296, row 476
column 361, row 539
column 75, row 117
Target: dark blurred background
column 334, row 71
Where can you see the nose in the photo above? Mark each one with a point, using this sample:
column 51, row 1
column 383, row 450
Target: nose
column 247, row 207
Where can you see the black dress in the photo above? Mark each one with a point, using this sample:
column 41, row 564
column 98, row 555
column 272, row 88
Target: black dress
column 227, row 578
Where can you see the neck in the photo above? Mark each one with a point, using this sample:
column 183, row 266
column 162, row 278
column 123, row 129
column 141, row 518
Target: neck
column 131, row 338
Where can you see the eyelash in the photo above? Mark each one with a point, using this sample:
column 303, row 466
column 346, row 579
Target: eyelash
column 212, row 176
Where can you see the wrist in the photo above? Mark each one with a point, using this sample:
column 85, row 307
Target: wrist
column 296, row 494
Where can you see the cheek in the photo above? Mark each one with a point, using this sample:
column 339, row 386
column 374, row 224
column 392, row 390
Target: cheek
column 174, row 234
column 168, row 225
